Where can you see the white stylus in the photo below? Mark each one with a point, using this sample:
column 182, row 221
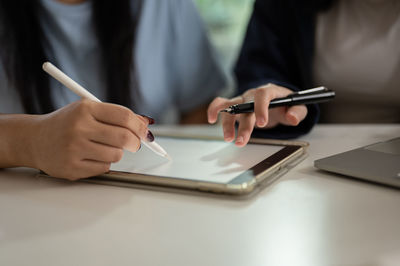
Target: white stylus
column 82, row 92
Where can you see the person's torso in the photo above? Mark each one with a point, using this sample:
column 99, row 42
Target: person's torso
column 75, row 50
column 357, row 54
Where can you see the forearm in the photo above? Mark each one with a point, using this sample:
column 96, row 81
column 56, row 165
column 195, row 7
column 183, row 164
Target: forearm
column 16, row 134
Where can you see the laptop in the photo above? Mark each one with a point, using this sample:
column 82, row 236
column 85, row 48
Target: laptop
column 379, row 163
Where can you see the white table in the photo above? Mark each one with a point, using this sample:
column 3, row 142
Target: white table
column 307, row 217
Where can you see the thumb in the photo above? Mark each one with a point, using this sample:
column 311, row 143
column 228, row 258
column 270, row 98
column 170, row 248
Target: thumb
column 295, row 114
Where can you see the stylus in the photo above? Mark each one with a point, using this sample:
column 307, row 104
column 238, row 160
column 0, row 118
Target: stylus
column 315, row 95
column 82, row 92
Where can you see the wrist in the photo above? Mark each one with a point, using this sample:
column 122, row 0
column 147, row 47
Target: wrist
column 17, row 147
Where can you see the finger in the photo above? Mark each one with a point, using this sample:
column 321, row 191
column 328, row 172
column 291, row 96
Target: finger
column 214, row 108
column 114, row 136
column 276, row 116
column 219, row 104
column 120, row 116
column 101, row 153
column 228, row 127
column 147, row 119
column 85, row 169
column 287, row 116
column 295, row 114
column 246, row 125
column 89, row 168
column 262, row 98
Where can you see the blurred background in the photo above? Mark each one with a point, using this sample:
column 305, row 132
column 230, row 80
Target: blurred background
column 226, row 21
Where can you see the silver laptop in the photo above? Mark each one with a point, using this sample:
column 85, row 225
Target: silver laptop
column 379, row 162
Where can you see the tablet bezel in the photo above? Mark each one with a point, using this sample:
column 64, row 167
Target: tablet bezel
column 241, row 184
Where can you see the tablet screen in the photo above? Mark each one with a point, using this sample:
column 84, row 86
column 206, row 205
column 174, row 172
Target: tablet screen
column 203, row 160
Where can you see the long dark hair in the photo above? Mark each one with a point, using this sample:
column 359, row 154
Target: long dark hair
column 22, row 49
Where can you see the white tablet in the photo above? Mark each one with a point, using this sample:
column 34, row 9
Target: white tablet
column 206, row 164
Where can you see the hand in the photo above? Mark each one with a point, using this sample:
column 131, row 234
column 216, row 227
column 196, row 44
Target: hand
column 262, row 116
column 84, row 138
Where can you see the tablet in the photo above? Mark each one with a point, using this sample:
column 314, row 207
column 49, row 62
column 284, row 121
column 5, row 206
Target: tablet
column 206, row 164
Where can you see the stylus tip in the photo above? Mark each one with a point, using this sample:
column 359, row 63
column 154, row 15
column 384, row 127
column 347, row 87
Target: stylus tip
column 169, row 158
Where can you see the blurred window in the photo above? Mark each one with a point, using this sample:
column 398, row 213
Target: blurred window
column 226, row 21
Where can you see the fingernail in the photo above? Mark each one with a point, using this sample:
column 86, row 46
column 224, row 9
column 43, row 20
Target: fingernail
column 239, row 140
column 261, row 122
column 294, row 118
column 293, row 114
column 150, row 136
column 151, row 120
column 228, row 137
column 133, row 148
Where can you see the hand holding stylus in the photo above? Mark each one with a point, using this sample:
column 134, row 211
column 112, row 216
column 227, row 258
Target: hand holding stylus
column 262, row 117
column 83, row 138
column 82, row 92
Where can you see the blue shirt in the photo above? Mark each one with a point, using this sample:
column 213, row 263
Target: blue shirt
column 176, row 66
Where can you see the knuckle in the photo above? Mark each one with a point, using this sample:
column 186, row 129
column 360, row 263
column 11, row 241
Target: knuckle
column 253, row 90
column 248, row 94
column 72, row 163
column 267, row 86
column 124, row 137
column 100, row 169
column 270, row 85
column 138, row 145
column 75, row 141
column 103, row 132
column 245, row 132
column 117, row 155
column 75, row 129
column 83, row 106
column 214, row 104
column 219, row 99
column 125, row 116
column 105, row 167
column 142, row 129
column 262, row 91
column 268, row 91
column 217, row 102
column 78, row 126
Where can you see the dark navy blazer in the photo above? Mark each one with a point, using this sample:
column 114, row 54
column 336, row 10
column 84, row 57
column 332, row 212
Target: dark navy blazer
column 278, row 48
